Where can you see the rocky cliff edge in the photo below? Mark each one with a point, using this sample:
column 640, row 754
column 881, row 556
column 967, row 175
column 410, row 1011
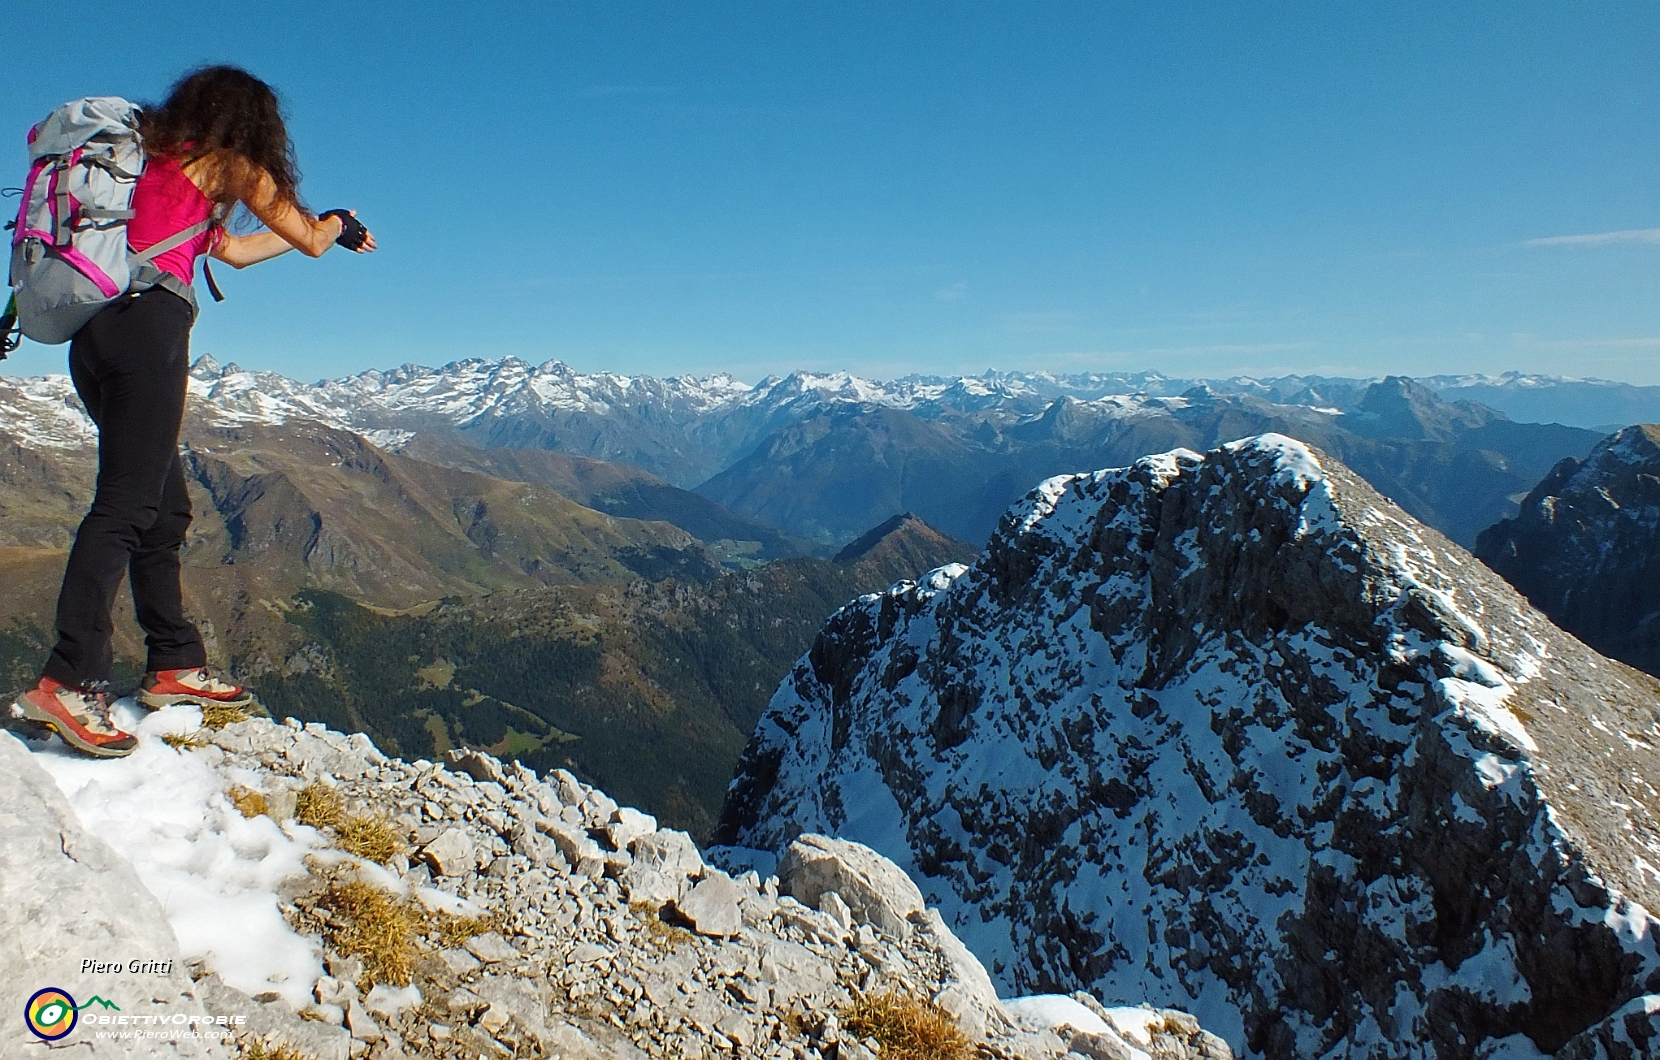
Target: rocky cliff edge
column 285, row 890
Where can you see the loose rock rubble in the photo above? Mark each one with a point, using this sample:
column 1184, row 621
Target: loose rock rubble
column 573, row 927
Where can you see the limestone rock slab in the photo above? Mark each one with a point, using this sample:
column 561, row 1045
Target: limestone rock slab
column 874, row 889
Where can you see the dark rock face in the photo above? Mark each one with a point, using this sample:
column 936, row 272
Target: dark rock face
column 1584, row 549
column 1235, row 732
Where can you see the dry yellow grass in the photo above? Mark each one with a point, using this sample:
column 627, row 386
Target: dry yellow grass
column 668, row 936
column 179, row 741
column 248, row 802
column 319, row 806
column 368, row 837
column 219, row 715
column 906, row 1028
column 369, row 923
column 453, row 930
column 258, row 1049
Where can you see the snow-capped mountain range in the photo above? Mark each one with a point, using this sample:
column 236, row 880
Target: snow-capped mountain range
column 388, row 406
column 461, row 394
column 827, row 456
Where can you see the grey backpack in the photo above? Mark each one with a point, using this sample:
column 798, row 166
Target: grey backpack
column 69, row 242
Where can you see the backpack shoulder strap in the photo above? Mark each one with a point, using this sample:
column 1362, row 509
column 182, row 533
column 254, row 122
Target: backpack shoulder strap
column 177, row 239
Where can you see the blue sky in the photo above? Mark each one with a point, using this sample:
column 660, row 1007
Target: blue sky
column 1201, row 189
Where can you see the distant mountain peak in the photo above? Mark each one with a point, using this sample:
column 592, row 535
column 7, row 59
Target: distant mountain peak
column 1398, row 394
column 903, row 523
column 906, row 545
column 1640, row 441
column 1397, row 406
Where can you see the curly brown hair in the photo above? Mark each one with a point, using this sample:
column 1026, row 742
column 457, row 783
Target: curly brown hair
column 233, row 119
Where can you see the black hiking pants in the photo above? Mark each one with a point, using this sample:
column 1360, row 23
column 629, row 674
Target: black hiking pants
column 130, row 365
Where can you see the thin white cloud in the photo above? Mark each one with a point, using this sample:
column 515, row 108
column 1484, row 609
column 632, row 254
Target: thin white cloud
column 952, row 292
column 1599, row 239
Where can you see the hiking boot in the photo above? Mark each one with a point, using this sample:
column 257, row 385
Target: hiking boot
column 79, row 717
column 194, row 686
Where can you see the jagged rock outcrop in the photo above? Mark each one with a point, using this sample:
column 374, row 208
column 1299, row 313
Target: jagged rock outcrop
column 473, row 909
column 1583, row 548
column 1231, row 731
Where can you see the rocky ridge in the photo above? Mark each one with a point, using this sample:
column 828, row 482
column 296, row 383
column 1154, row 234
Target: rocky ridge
column 1582, row 549
column 548, row 920
column 1232, row 731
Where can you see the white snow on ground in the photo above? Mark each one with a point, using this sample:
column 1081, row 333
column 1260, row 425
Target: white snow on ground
column 392, row 440
column 1060, row 1013
column 1055, row 1011
column 1134, row 1023
column 390, row 1000
column 215, row 872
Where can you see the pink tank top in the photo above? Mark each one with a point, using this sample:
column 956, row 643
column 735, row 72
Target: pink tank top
column 166, row 201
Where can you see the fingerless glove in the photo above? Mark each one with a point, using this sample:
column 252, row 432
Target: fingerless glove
column 352, row 233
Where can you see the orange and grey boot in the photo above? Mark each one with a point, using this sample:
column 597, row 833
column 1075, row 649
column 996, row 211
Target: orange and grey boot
column 195, row 687
column 79, row 717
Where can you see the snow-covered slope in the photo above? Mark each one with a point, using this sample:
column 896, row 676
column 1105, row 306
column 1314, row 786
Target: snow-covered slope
column 1231, row 730
column 44, row 413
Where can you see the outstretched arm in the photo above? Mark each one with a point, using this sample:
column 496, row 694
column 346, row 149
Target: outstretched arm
column 241, row 251
column 289, row 229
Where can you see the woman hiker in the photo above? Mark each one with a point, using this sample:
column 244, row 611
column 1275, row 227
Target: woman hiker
column 217, row 142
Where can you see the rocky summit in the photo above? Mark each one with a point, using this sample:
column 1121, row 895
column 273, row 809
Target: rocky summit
column 242, row 888
column 1232, row 732
column 1583, row 549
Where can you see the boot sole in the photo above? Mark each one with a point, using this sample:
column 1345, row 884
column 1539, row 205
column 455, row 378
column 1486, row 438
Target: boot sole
column 156, row 701
column 24, row 710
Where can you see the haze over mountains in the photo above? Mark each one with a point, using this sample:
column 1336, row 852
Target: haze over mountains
column 826, row 457
column 823, row 458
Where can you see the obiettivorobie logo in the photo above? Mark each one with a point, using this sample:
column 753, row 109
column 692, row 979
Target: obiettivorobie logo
column 52, row 1013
